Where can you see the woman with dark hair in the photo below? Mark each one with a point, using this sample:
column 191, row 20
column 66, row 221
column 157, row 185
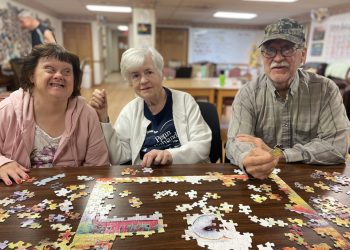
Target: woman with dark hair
column 46, row 123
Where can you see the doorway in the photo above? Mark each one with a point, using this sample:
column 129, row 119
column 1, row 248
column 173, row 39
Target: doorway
column 77, row 39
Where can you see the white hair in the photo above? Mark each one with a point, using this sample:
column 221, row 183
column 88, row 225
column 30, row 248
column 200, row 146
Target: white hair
column 26, row 13
column 133, row 58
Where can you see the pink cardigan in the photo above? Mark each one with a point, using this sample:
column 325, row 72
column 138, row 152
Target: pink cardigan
column 82, row 143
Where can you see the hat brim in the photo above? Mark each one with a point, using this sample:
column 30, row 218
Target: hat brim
column 290, row 38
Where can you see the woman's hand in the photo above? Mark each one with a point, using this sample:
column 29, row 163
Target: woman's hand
column 99, row 103
column 156, row 157
column 14, row 171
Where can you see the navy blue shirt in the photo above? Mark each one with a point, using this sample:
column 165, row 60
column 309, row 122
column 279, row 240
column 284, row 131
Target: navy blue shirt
column 161, row 133
column 38, row 34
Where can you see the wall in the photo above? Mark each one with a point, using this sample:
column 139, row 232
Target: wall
column 99, row 59
column 112, row 51
column 143, row 28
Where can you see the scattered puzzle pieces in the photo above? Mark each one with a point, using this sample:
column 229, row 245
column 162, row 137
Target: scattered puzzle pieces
column 85, row 178
column 125, row 193
column 266, row 246
column 135, row 202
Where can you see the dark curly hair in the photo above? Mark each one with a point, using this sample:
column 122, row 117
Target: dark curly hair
column 50, row 50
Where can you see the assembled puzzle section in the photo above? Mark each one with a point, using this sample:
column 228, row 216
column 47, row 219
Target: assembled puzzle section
column 212, row 220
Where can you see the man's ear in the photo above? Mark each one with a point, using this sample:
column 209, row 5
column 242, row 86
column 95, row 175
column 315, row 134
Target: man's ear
column 303, row 55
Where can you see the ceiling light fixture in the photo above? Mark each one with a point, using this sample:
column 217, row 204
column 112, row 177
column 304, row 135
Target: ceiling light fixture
column 109, row 8
column 275, row 1
column 235, row 15
column 123, row 27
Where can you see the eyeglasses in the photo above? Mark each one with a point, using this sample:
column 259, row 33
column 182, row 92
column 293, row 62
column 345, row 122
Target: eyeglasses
column 135, row 77
column 270, row 52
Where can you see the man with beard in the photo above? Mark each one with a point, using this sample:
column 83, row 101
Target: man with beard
column 287, row 114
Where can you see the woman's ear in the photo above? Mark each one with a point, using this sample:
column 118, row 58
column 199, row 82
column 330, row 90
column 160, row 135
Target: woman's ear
column 31, row 79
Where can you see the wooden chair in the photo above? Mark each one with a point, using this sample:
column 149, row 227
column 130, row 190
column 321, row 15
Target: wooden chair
column 183, row 72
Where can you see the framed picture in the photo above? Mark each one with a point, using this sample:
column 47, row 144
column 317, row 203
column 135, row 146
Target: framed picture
column 316, row 49
column 318, row 34
column 144, row 29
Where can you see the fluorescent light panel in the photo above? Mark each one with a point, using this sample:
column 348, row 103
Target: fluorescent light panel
column 234, row 15
column 276, row 1
column 123, row 27
column 109, row 8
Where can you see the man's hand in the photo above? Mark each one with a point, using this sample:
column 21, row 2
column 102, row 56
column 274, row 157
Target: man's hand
column 99, row 103
column 254, row 140
column 259, row 163
column 156, row 157
column 14, row 171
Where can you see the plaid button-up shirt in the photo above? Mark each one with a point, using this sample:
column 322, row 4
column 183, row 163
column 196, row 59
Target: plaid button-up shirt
column 311, row 123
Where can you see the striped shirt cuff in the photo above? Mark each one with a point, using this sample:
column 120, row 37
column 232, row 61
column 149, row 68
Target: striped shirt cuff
column 292, row 155
column 241, row 157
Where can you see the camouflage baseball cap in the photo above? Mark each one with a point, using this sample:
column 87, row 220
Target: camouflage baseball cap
column 285, row 29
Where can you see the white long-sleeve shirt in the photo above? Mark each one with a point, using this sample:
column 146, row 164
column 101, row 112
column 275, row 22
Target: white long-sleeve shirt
column 125, row 140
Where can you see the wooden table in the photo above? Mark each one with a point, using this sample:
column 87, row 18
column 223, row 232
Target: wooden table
column 208, row 87
column 231, row 188
column 196, row 87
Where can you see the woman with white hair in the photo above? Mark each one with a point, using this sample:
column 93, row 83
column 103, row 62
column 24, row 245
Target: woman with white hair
column 160, row 126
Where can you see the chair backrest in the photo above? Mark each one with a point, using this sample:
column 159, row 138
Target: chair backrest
column 342, row 85
column 315, row 67
column 183, row 72
column 346, row 100
column 16, row 66
column 210, row 115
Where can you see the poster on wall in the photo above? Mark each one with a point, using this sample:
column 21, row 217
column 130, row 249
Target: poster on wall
column 339, row 41
column 318, row 33
column 144, row 29
column 316, row 49
column 330, row 40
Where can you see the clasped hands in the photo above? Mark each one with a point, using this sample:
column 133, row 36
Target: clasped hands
column 259, row 162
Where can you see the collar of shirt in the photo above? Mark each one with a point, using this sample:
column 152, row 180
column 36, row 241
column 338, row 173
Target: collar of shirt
column 292, row 89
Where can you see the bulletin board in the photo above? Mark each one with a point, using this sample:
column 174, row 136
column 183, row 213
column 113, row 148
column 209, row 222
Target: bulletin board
column 226, row 46
column 330, row 40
